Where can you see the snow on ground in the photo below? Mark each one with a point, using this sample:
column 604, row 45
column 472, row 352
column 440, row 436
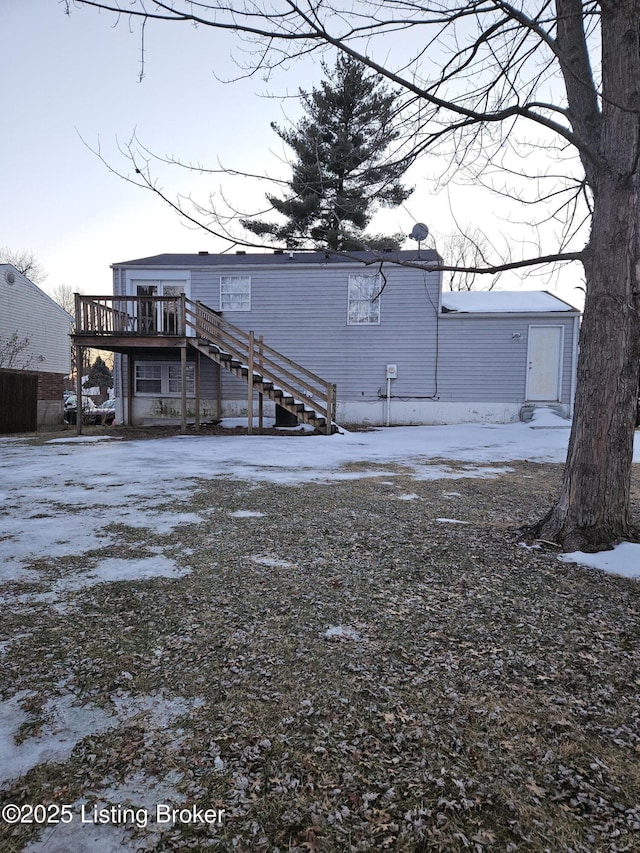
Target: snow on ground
column 336, row 633
column 107, row 571
column 545, row 418
column 65, row 723
column 271, row 562
column 623, row 560
column 58, row 499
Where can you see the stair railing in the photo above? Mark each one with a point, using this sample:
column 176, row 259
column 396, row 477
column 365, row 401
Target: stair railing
column 262, row 360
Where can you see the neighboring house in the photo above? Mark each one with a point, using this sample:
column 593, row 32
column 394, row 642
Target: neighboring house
column 398, row 350
column 34, row 340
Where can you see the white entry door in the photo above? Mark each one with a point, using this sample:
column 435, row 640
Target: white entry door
column 544, row 363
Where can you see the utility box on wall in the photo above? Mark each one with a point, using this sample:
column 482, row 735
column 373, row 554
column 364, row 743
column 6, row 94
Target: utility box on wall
column 392, row 371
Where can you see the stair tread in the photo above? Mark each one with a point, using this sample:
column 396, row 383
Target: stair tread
column 302, row 406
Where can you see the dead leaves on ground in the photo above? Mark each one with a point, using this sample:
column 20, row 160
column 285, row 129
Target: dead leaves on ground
column 359, row 676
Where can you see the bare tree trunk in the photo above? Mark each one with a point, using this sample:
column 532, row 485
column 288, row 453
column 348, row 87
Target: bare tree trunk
column 592, row 511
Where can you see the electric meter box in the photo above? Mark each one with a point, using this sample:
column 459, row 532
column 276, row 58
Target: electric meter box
column 392, row 371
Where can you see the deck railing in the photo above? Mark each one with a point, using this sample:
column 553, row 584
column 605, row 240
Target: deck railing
column 130, row 315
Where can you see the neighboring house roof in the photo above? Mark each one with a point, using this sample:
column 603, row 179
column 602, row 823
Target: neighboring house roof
column 35, row 291
column 41, row 325
column 503, row 302
column 204, row 259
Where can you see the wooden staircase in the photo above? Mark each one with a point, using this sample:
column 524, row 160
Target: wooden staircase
column 266, row 371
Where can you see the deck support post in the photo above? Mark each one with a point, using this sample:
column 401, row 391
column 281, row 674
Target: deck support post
column 331, row 407
column 183, row 412
column 131, row 378
column 79, row 406
column 250, row 385
column 219, row 394
column 197, row 390
column 260, row 394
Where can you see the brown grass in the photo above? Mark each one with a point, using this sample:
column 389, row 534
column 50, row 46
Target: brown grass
column 484, row 697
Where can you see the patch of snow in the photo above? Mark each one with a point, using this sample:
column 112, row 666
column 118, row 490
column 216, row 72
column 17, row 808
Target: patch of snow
column 82, row 439
column 410, row 496
column 622, row 560
column 108, row 570
column 341, row 632
column 160, row 522
column 54, row 535
column 441, row 472
column 66, row 723
column 111, row 570
column 296, row 428
column 82, row 838
column 545, row 418
column 503, row 301
column 35, row 529
column 272, row 562
column 134, row 802
column 451, row 521
column 247, row 513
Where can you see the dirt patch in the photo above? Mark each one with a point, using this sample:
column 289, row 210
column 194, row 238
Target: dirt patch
column 373, row 664
column 167, row 431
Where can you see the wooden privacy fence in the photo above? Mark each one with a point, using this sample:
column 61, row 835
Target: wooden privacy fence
column 18, row 401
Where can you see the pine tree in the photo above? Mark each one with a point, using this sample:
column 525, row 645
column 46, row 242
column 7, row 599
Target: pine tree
column 342, row 169
column 99, row 376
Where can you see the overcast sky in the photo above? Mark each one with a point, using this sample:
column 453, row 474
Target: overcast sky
column 69, row 78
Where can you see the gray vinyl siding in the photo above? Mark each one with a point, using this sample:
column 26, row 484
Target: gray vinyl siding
column 301, row 310
column 30, row 313
column 303, row 313
column 119, row 287
column 481, row 360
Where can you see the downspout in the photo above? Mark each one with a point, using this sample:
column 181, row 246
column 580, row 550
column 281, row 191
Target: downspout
column 388, row 420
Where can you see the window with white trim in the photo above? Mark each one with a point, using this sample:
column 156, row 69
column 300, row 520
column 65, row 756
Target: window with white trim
column 148, row 378
column 235, row 293
column 163, row 379
column 364, row 300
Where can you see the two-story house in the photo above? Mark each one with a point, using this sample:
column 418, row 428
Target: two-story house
column 191, row 329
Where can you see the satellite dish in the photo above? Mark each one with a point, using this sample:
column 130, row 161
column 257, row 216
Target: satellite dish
column 419, row 232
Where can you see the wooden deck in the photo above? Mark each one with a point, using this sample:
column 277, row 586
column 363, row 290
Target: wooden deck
column 132, row 324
